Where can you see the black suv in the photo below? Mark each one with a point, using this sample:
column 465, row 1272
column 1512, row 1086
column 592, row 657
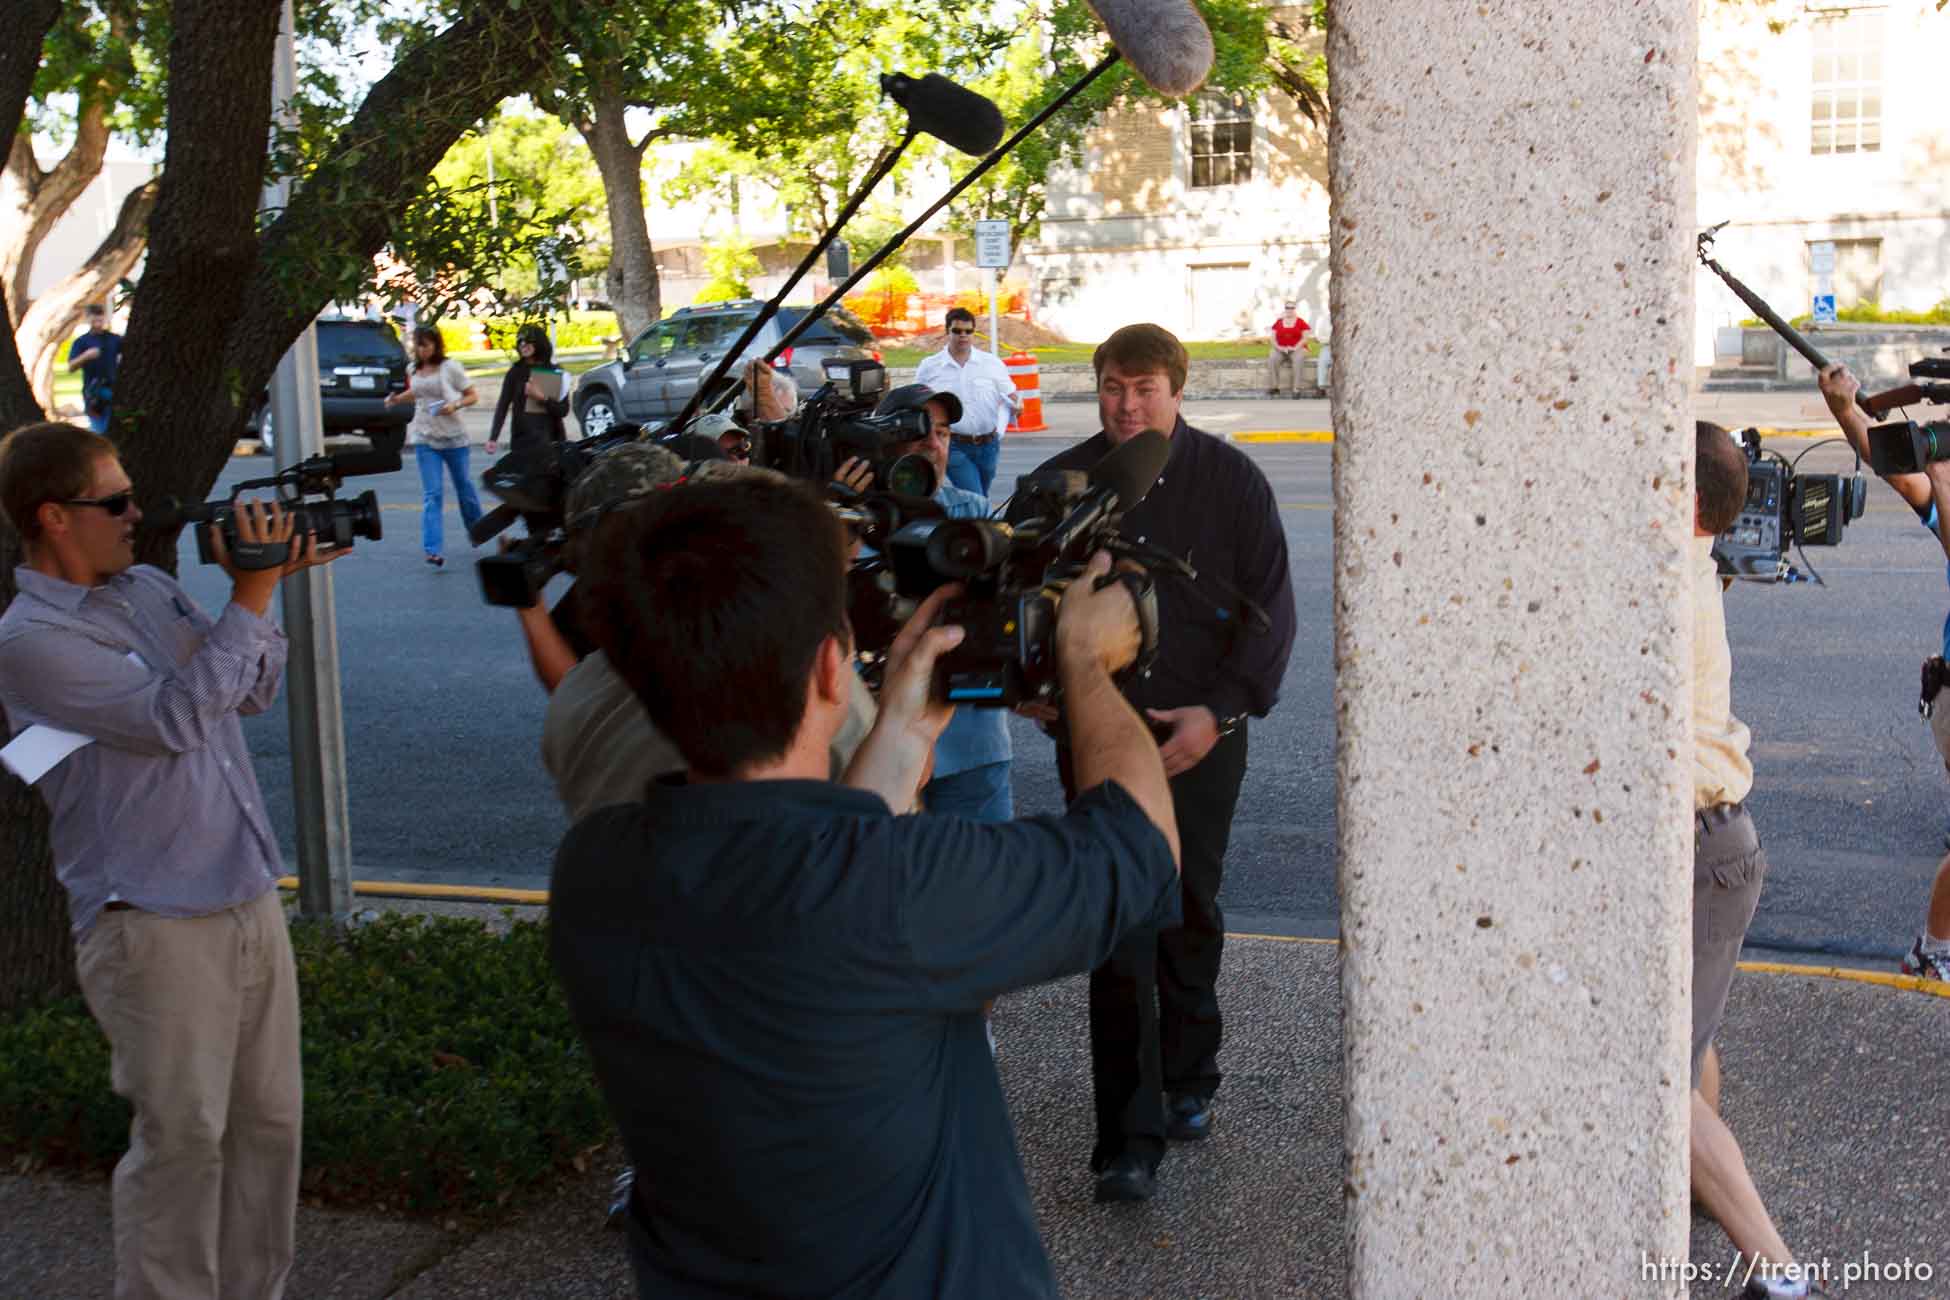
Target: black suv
column 359, row 363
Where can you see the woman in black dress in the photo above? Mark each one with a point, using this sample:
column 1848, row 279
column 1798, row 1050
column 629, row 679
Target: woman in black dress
column 534, row 418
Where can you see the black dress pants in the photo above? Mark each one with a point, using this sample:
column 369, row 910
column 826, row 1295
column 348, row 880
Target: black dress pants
column 1154, row 1006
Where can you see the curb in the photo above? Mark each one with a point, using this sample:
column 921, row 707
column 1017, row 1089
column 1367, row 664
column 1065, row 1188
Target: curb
column 539, row 898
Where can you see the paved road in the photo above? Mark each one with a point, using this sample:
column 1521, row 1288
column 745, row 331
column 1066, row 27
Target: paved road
column 443, row 715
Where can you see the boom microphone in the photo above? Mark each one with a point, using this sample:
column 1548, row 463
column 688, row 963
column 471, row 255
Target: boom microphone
column 377, row 461
column 953, row 114
column 1117, row 482
column 1166, row 42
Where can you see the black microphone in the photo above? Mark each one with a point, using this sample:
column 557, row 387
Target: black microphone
column 953, row 114
column 1117, row 482
column 1166, row 42
column 348, row 464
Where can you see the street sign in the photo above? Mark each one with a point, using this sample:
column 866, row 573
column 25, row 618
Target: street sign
column 1821, row 257
column 1824, row 309
column 839, row 262
column 992, row 245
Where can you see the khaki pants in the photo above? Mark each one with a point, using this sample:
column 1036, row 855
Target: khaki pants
column 1277, row 360
column 202, row 1019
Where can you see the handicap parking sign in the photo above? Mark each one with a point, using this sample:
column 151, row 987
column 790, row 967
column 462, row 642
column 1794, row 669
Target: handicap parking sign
column 1824, row 309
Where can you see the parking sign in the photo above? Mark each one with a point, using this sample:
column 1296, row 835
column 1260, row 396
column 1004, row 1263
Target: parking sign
column 992, row 244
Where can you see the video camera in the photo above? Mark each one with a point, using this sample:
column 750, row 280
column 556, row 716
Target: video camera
column 1014, row 571
column 337, row 523
column 1905, row 446
column 1785, row 509
column 533, row 485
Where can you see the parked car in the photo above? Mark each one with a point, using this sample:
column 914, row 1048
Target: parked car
column 359, row 363
column 654, row 377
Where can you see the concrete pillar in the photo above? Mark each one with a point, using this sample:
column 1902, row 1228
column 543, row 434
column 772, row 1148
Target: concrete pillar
column 1512, row 276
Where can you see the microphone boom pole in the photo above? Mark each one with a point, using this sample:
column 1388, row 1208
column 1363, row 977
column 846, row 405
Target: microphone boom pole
column 771, row 308
column 975, row 173
column 1787, row 332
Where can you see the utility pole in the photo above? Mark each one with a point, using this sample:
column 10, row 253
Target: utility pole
column 311, row 673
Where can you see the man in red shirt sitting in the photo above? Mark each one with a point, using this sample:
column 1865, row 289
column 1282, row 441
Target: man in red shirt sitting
column 1288, row 331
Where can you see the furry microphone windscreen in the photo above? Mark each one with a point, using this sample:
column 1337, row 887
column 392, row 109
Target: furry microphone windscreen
column 1166, row 42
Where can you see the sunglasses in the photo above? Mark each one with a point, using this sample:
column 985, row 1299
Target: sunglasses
column 961, row 333
column 115, row 505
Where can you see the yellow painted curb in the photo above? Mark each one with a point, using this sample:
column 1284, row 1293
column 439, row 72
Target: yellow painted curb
column 1935, row 988
column 438, row 893
column 1284, row 435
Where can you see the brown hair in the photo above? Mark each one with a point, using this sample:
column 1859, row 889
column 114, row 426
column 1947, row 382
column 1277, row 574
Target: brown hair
column 1142, row 350
column 40, row 463
column 713, row 600
column 1720, row 473
column 428, row 334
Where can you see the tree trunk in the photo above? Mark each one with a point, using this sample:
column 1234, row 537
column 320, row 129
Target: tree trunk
column 634, row 289
column 32, row 200
column 36, row 955
column 202, row 249
column 50, row 320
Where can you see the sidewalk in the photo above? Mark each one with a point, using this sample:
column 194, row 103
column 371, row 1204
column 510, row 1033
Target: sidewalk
column 1833, row 1087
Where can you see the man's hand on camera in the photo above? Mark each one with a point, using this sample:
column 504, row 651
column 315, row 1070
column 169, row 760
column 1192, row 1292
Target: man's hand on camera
column 1096, row 625
column 855, row 475
column 907, row 687
column 259, row 524
column 1194, row 730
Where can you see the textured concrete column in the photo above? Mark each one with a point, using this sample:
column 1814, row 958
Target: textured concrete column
column 1512, row 235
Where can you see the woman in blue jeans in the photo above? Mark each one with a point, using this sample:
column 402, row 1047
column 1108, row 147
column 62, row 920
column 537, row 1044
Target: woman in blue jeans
column 439, row 389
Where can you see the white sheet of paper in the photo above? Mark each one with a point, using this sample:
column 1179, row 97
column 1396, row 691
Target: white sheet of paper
column 35, row 751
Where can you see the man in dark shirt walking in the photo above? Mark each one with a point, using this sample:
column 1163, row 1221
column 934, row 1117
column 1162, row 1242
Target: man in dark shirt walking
column 1154, row 1006
column 779, row 981
column 97, row 354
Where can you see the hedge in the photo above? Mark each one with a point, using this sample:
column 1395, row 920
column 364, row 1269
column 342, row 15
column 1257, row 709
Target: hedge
column 582, row 329
column 441, row 1069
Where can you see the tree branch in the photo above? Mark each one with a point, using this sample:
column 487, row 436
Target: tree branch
column 24, row 26
column 350, row 203
column 46, row 324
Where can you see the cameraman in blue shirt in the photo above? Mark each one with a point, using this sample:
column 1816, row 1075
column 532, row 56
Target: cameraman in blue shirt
column 1927, row 494
column 971, row 760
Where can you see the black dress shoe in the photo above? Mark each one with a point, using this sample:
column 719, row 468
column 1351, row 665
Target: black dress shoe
column 1126, row 1178
column 1188, row 1118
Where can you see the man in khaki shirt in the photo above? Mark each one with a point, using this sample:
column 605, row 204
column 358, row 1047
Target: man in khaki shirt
column 1728, row 867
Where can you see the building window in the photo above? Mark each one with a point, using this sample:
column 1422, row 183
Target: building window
column 1222, row 141
column 1845, row 108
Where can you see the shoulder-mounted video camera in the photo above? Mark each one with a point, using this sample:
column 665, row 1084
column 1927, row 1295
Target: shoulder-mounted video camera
column 533, row 485
column 337, row 523
column 1013, row 571
column 1906, row 446
column 1785, row 510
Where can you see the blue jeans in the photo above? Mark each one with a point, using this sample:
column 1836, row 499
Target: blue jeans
column 981, row 794
column 971, row 466
column 431, row 504
column 99, row 423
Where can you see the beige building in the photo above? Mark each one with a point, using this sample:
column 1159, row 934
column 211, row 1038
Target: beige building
column 1819, row 122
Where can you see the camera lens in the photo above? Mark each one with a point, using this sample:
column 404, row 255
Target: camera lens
column 963, row 548
column 912, row 476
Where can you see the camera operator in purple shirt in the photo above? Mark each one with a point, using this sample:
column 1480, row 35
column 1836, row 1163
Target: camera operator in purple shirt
column 170, row 866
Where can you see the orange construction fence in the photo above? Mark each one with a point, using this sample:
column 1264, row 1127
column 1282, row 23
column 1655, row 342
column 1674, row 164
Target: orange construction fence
column 1029, row 388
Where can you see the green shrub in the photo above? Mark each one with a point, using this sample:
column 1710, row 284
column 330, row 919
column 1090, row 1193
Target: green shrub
column 1869, row 313
column 441, row 1069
